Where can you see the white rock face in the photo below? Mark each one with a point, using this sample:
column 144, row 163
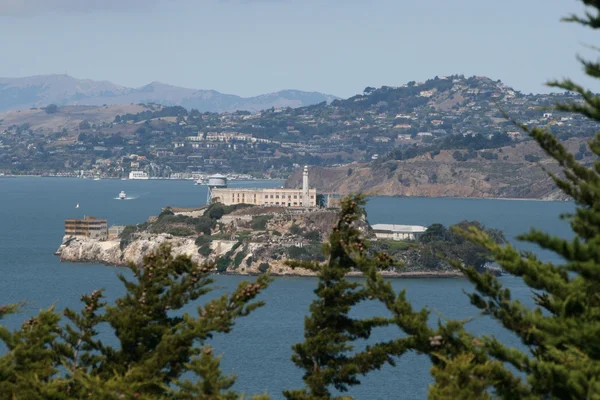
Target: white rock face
column 109, row 251
column 221, row 247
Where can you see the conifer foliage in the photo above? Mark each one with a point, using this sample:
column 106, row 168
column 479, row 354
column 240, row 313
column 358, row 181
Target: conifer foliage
column 157, row 341
column 328, row 355
column 561, row 334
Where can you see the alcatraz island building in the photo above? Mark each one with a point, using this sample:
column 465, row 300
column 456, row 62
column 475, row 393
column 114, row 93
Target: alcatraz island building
column 90, row 227
column 293, row 198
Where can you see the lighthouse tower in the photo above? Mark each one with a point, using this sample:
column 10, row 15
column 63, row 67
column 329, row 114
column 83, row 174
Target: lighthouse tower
column 305, row 193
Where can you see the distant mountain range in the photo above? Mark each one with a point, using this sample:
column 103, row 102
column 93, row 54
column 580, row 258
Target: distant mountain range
column 41, row 90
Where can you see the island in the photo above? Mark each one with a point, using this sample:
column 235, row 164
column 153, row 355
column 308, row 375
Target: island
column 247, row 239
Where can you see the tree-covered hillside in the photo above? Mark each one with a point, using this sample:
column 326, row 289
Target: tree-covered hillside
column 387, row 123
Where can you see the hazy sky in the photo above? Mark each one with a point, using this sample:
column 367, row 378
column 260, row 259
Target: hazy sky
column 249, row 47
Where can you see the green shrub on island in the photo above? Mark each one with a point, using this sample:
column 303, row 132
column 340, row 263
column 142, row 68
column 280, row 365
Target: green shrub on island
column 296, row 252
column 205, row 250
column 244, row 235
column 313, row 236
column 308, row 252
column 438, row 245
column 263, row 267
column 259, row 223
column 215, row 211
column 169, row 222
column 202, row 240
column 239, row 257
column 166, row 211
column 128, row 235
column 296, row 229
column 181, row 232
column 223, row 263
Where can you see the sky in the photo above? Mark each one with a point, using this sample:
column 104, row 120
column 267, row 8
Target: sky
column 251, row 47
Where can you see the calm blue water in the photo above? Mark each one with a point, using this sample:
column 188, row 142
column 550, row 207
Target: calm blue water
column 32, row 213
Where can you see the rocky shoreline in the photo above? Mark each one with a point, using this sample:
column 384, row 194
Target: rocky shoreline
column 109, row 253
column 440, row 175
column 251, row 240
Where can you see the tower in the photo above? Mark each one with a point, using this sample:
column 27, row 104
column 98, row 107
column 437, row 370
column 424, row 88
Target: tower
column 215, row 182
column 305, row 188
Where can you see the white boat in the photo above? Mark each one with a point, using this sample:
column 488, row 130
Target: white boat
column 77, row 206
column 96, row 179
column 122, row 195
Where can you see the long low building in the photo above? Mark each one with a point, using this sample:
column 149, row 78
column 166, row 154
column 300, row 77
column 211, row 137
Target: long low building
column 304, row 197
column 264, row 197
column 398, row 232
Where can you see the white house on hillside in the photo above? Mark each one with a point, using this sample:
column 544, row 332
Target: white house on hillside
column 398, row 232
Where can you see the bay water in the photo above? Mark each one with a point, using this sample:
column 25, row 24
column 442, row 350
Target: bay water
column 258, row 351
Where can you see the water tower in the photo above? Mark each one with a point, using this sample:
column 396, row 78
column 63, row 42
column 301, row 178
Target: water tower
column 216, row 181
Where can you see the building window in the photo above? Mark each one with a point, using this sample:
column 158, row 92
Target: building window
column 277, row 196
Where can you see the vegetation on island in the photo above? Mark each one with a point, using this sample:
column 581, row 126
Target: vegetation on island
column 277, row 235
column 62, row 357
column 438, row 247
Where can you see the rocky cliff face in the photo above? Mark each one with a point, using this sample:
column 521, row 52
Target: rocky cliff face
column 242, row 245
column 237, row 247
column 441, row 175
column 110, row 252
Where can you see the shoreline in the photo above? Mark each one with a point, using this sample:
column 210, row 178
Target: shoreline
column 353, row 274
column 266, row 179
column 127, row 179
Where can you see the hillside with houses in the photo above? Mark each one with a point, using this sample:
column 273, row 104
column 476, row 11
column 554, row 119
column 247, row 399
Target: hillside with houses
column 450, row 119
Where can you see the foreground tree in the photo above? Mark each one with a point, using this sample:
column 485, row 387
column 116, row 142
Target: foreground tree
column 329, row 330
column 560, row 355
column 561, row 334
column 328, row 355
column 156, row 342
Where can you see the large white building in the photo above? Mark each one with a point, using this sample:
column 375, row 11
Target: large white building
column 398, row 232
column 304, row 197
column 138, row 175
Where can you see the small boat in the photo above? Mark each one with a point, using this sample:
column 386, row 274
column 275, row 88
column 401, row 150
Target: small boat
column 122, row 195
column 96, row 179
column 77, row 206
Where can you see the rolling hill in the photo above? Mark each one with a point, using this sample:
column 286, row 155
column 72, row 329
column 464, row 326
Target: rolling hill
column 41, row 90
